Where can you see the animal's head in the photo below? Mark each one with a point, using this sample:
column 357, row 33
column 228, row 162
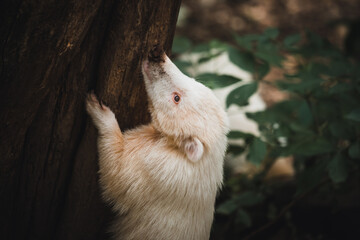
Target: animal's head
column 182, row 108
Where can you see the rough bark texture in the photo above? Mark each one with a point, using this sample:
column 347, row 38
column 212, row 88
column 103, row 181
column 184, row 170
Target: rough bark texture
column 52, row 54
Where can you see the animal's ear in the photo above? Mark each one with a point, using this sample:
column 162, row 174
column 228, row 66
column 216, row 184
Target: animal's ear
column 194, row 149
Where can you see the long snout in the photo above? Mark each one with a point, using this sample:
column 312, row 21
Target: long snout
column 159, row 66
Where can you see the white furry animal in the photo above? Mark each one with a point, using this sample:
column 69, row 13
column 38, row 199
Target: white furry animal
column 162, row 178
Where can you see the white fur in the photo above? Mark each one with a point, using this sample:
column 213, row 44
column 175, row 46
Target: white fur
column 162, row 178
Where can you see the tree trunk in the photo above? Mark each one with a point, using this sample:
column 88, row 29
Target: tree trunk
column 52, row 54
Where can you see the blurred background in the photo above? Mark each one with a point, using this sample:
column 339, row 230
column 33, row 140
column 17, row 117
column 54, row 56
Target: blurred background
column 288, row 74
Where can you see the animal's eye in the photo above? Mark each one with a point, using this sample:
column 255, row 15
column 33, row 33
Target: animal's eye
column 176, row 98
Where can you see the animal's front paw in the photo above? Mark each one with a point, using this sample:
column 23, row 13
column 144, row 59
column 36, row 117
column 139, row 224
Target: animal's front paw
column 93, row 105
column 102, row 116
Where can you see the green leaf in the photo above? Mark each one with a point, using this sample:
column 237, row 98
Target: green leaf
column 307, row 84
column 340, row 129
column 182, row 65
column 354, row 115
column 216, row 81
column 202, row 47
column 227, row 207
column 340, row 88
column 349, row 103
column 339, row 68
column 181, row 44
column 354, row 150
column 209, row 57
column 304, row 114
column 291, row 40
column 243, row 60
column 311, row 176
column 337, row 168
column 263, row 117
column 246, row 41
column 236, row 150
column 315, row 40
column 261, row 70
column 270, row 53
column 311, row 147
column 250, row 198
column 271, row 33
column 238, row 134
column 241, row 94
column 216, row 44
column 243, row 217
column 257, row 151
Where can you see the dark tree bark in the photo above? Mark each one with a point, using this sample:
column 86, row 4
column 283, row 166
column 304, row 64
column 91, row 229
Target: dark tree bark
column 52, row 54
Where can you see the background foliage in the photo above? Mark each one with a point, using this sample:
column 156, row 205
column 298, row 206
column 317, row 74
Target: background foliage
column 319, row 125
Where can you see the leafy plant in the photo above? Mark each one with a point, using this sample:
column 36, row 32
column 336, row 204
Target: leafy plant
column 319, row 125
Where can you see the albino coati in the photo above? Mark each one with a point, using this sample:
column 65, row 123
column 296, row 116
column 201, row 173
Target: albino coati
column 162, row 178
